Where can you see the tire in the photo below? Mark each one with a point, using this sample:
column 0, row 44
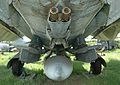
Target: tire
column 17, row 68
column 96, row 67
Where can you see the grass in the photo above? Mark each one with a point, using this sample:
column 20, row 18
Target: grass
column 109, row 76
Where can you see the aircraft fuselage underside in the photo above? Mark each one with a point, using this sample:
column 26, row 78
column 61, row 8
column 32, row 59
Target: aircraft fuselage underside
column 58, row 27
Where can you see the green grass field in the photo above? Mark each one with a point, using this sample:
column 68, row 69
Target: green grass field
column 109, row 76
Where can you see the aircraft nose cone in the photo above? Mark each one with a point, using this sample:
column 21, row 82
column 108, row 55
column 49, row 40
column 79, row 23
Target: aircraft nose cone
column 58, row 68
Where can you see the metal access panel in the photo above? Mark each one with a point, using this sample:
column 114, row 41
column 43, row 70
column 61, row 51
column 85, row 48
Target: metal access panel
column 114, row 13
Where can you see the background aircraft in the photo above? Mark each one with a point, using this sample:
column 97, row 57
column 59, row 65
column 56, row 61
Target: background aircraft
column 4, row 47
column 56, row 27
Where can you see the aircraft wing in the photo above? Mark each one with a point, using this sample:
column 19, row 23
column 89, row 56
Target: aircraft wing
column 12, row 25
column 113, row 24
column 8, row 33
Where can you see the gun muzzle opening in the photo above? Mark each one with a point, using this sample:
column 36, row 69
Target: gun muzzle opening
column 66, row 12
column 54, row 14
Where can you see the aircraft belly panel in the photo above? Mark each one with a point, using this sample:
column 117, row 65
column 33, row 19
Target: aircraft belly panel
column 36, row 15
column 82, row 16
column 52, row 25
column 114, row 13
column 18, row 22
column 99, row 21
column 4, row 11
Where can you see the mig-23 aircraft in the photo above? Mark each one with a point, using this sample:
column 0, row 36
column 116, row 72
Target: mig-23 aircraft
column 56, row 28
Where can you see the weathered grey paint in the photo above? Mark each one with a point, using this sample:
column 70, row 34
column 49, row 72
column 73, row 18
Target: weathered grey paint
column 114, row 13
column 11, row 18
column 30, row 17
column 113, row 22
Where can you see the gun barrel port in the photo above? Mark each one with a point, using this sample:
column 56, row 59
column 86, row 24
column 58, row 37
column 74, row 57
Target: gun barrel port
column 66, row 12
column 53, row 14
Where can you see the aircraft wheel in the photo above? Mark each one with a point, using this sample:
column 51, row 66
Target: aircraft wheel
column 16, row 66
column 96, row 66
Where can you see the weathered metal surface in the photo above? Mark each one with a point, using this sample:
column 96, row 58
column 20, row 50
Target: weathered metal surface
column 30, row 16
column 88, row 56
column 12, row 18
column 110, row 32
column 112, row 22
column 58, row 68
column 27, row 56
column 54, row 24
column 4, row 11
column 114, row 13
column 19, row 23
column 6, row 34
column 36, row 15
column 99, row 21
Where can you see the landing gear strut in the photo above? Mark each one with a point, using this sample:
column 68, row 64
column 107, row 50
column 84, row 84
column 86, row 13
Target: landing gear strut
column 28, row 54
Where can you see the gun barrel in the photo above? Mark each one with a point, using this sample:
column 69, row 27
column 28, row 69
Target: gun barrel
column 54, row 14
column 66, row 12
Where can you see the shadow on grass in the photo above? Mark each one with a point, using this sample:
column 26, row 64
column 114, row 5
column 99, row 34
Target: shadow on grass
column 109, row 76
column 6, row 77
column 112, row 72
